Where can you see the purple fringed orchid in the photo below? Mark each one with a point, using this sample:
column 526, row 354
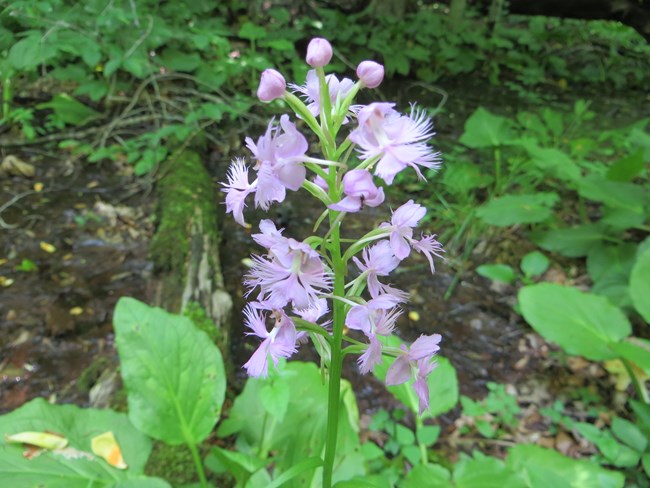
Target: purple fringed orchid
column 397, row 140
column 404, row 219
column 279, row 154
column 416, row 361
column 237, row 189
column 279, row 343
column 359, row 190
column 376, row 317
column 401, row 225
column 292, row 272
column 379, row 260
column 311, row 90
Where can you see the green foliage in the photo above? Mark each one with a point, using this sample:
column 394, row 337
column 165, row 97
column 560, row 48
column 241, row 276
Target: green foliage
column 583, row 324
column 498, row 411
column 173, row 373
column 284, row 415
column 518, row 209
column 640, row 284
column 544, row 467
column 71, row 467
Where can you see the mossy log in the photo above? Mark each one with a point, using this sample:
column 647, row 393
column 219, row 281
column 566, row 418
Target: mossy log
column 185, row 247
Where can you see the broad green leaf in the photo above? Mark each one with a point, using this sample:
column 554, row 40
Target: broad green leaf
column 635, row 350
column 95, row 89
column 375, row 481
column 642, row 412
column 70, row 110
column 308, row 464
column 624, row 196
column 301, row 433
column 29, row 52
column 180, row 60
column 606, row 259
column 609, row 267
column 251, row 31
column 240, row 466
column 545, row 468
column 534, row 264
column 553, row 162
column 484, row 129
column 275, row 398
column 429, row 475
column 616, row 453
column 518, row 209
column 640, row 285
column 173, row 373
column 428, row 434
column 462, row 177
column 138, row 65
column 582, row 323
column 629, row 433
column 142, row 482
column 404, row 435
column 79, row 426
column 645, row 462
column 484, row 472
column 571, row 241
column 497, row 272
column 628, row 168
column 412, row 454
column 443, row 385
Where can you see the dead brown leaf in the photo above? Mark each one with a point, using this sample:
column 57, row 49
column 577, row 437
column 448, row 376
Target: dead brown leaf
column 14, row 166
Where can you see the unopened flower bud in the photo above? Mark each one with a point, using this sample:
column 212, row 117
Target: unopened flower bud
column 272, row 85
column 370, row 73
column 319, row 52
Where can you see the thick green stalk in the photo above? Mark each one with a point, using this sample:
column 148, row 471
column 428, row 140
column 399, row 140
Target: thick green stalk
column 6, row 97
column 199, row 465
column 336, row 361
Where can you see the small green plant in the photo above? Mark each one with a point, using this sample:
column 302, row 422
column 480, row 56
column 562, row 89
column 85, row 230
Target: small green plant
column 494, row 415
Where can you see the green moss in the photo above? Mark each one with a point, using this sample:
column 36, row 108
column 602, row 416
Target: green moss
column 185, row 188
column 197, row 314
column 172, row 463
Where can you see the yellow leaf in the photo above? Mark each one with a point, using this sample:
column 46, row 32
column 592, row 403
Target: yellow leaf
column 106, row 447
column 39, row 439
column 76, row 311
column 47, row 247
column 6, row 282
column 38, row 187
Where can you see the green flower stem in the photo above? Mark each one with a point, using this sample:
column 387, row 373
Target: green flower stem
column 199, row 465
column 6, row 96
column 336, row 362
column 638, row 385
column 311, row 327
column 373, row 235
column 297, row 106
column 497, row 170
column 419, row 423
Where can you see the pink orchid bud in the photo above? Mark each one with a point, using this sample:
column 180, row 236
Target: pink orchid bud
column 272, row 85
column 370, row 73
column 319, row 52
